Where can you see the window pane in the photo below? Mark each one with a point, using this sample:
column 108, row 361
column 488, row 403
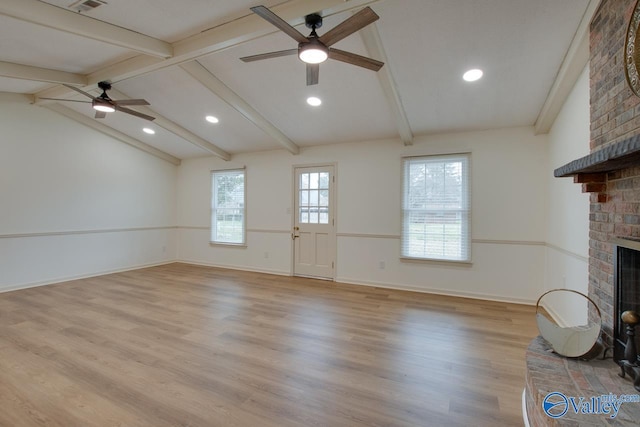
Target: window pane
column 313, row 180
column 313, row 198
column 313, row 215
column 324, row 180
column 324, row 198
column 227, row 207
column 324, row 216
column 304, row 215
column 435, row 208
column 417, row 186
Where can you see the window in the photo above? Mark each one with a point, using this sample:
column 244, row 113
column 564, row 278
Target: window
column 313, row 198
column 435, row 208
column 228, row 207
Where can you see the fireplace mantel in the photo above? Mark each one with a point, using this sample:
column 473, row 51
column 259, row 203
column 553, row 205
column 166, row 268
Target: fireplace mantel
column 620, row 155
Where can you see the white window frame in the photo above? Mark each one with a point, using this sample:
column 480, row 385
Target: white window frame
column 464, row 211
column 213, row 239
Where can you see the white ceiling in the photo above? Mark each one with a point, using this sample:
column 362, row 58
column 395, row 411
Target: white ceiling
column 426, row 45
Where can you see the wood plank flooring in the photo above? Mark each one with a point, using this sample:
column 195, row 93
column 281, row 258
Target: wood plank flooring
column 183, row 345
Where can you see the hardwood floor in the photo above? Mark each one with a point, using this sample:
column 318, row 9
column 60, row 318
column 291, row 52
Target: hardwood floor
column 183, row 345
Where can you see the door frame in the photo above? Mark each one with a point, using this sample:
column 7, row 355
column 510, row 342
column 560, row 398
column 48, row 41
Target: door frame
column 333, row 198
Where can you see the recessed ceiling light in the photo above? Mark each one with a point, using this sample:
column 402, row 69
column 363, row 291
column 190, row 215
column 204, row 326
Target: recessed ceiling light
column 212, row 119
column 314, row 101
column 149, row 131
column 472, row 75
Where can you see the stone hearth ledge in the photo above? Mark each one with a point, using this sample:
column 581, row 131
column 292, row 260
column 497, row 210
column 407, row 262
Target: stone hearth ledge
column 547, row 372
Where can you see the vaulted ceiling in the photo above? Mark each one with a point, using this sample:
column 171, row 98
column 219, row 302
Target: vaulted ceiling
column 183, row 57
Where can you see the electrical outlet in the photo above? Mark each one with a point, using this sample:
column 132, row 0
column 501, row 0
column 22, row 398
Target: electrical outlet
column 381, row 265
column 266, row 255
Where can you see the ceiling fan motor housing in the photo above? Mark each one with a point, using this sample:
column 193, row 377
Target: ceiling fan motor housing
column 104, row 86
column 104, row 102
column 313, row 21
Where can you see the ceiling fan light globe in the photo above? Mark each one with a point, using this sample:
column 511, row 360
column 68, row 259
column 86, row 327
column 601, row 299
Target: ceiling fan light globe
column 312, row 53
column 106, row 108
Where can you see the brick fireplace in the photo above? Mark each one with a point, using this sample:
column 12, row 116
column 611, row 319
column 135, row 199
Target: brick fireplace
column 611, row 174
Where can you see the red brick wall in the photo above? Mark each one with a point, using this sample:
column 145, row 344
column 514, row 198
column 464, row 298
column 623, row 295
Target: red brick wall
column 615, row 116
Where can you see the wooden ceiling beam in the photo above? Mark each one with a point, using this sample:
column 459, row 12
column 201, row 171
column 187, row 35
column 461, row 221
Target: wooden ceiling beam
column 223, row 36
column 27, row 72
column 109, row 131
column 373, row 43
column 252, row 26
column 175, row 128
column 222, row 91
column 47, row 15
column 572, row 66
column 16, row 97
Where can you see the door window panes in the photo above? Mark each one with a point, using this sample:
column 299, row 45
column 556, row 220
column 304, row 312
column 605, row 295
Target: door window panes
column 313, row 198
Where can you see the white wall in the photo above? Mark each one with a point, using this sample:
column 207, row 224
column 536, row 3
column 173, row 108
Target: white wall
column 509, row 202
column 74, row 202
column 568, row 208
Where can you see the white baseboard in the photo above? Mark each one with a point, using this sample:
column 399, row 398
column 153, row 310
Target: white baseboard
column 81, row 276
column 345, row 280
column 384, row 285
column 436, row 291
column 236, row 267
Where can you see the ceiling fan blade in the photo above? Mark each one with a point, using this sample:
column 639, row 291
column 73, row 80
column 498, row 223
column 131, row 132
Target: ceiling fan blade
column 313, row 74
column 79, row 91
column 131, row 102
column 100, row 114
column 67, row 100
column 349, row 26
column 270, row 55
column 134, row 113
column 275, row 20
column 355, row 59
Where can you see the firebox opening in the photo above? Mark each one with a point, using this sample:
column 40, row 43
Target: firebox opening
column 627, row 290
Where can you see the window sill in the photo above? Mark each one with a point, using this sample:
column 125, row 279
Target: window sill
column 229, row 245
column 437, row 261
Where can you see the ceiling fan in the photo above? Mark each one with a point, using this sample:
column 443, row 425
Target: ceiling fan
column 103, row 104
column 314, row 49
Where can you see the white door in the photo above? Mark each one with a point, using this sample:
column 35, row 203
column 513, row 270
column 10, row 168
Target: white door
column 314, row 232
